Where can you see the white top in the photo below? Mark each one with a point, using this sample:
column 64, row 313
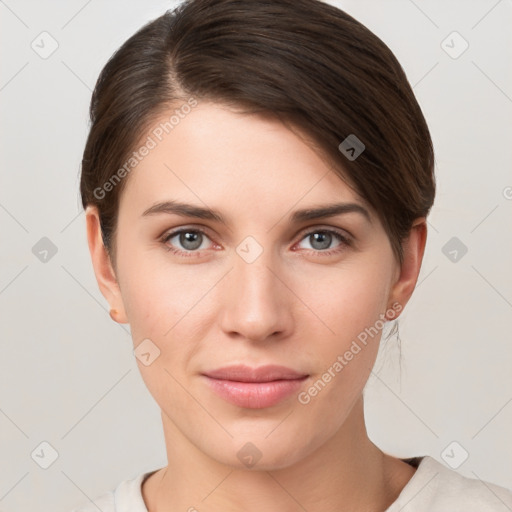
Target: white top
column 432, row 488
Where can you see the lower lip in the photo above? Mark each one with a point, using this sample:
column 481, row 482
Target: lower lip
column 255, row 395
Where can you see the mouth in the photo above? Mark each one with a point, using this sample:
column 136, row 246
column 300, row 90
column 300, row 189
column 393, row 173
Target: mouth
column 254, row 388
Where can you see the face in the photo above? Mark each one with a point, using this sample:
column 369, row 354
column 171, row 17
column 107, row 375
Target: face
column 261, row 281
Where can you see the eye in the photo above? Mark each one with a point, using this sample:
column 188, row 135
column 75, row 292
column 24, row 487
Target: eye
column 191, row 241
column 321, row 241
column 185, row 240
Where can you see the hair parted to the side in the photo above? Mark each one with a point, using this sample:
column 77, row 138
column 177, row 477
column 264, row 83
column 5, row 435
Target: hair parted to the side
column 304, row 62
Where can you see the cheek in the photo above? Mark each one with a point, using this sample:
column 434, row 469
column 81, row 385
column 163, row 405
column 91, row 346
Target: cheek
column 345, row 333
column 169, row 305
column 154, row 294
column 344, row 301
column 160, row 309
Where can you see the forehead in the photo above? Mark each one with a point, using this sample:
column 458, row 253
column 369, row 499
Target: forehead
column 247, row 164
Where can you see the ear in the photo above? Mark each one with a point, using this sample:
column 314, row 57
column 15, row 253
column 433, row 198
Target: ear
column 407, row 275
column 103, row 269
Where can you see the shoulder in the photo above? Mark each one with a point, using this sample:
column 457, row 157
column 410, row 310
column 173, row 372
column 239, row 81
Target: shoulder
column 436, row 488
column 127, row 497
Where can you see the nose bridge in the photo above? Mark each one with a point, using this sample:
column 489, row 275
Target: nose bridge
column 255, row 305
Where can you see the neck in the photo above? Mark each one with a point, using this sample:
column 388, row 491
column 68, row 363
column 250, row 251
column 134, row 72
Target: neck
column 347, row 473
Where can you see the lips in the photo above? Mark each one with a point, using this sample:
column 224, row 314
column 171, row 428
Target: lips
column 243, row 373
column 254, row 388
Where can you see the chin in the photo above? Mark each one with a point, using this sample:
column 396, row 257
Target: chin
column 259, row 453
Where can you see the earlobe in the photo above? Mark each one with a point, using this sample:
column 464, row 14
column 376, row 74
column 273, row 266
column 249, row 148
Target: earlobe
column 103, row 269
column 413, row 250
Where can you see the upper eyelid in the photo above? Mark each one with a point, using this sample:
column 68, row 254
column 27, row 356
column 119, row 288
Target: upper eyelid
column 173, row 232
column 338, row 231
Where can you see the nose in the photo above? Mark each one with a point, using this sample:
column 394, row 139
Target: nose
column 255, row 304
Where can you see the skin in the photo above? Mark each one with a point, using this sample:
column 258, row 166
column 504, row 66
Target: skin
column 293, row 306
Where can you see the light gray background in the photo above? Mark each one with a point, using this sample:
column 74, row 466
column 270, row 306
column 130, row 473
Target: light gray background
column 68, row 374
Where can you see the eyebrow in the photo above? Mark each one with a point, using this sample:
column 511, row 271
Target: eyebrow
column 312, row 213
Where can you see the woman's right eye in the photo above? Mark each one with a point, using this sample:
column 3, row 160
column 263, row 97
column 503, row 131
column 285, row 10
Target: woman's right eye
column 185, row 241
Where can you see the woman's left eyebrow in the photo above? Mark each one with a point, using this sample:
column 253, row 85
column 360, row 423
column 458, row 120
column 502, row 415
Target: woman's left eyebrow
column 329, row 210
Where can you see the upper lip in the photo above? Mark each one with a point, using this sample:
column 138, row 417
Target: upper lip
column 243, row 373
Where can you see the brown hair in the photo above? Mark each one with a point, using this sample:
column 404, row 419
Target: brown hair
column 302, row 61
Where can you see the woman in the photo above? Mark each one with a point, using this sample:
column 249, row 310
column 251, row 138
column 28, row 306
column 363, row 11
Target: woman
column 256, row 182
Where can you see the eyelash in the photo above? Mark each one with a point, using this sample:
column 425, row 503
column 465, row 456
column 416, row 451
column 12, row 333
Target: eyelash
column 345, row 241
